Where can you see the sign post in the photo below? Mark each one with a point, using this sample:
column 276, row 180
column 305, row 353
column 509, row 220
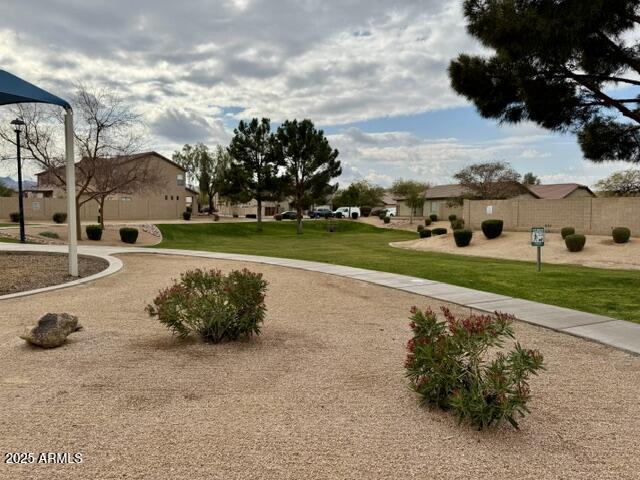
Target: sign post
column 537, row 240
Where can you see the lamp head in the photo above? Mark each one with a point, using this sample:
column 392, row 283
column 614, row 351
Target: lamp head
column 18, row 125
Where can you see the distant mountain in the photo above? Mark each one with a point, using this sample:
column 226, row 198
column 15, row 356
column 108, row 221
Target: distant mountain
column 13, row 184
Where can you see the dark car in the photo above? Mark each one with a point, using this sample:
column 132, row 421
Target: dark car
column 289, row 215
column 322, row 212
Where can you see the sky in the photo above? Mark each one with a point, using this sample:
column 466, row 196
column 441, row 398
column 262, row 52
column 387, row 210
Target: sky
column 371, row 73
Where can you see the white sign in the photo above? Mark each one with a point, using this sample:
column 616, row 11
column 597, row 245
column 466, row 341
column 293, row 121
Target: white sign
column 537, row 237
column 489, row 209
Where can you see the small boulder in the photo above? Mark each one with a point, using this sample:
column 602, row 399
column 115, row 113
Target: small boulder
column 52, row 330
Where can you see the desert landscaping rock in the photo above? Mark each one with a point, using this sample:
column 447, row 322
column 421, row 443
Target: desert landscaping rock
column 31, row 270
column 52, row 330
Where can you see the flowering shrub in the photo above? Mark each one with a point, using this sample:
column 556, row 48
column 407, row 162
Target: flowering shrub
column 446, row 366
column 218, row 307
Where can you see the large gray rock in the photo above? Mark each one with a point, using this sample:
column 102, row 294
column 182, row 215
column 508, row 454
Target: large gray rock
column 52, row 330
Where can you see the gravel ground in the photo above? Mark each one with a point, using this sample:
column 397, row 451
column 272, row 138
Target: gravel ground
column 320, row 395
column 147, row 235
column 28, row 271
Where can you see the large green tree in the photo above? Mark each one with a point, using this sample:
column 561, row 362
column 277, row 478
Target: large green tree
column 310, row 164
column 554, row 62
column 5, row 191
column 621, row 184
column 254, row 166
column 412, row 192
column 359, row 194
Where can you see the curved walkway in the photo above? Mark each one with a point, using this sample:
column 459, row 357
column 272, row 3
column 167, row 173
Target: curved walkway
column 609, row 331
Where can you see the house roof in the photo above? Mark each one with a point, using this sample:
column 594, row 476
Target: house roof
column 135, row 156
column 556, row 191
column 388, row 199
column 445, row 191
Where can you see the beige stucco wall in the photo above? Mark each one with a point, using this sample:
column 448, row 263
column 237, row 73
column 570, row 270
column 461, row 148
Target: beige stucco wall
column 440, row 207
column 586, row 214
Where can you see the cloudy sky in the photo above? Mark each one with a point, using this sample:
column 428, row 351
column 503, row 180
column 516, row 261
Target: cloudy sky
column 371, row 73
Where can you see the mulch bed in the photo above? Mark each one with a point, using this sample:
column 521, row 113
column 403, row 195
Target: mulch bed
column 27, row 271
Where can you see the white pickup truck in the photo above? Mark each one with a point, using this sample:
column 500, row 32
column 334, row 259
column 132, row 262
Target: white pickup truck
column 346, row 212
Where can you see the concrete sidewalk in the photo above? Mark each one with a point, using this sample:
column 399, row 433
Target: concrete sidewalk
column 609, row 331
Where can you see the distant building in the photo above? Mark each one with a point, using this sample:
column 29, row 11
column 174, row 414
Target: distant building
column 559, row 191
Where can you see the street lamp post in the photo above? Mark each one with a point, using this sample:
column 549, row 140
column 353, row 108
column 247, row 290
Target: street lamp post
column 17, row 126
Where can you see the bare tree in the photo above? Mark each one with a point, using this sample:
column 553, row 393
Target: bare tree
column 493, row 180
column 107, row 133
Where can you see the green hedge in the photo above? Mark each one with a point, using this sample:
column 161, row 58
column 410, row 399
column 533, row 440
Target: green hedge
column 425, row 233
column 186, row 215
column 386, row 220
column 492, row 228
column 15, row 217
column 453, row 217
column 457, row 224
column 566, row 231
column 433, row 217
column 439, row 231
column 94, row 232
column 427, row 222
column 462, row 237
column 59, row 217
column 129, row 234
column 575, row 242
column 621, row 234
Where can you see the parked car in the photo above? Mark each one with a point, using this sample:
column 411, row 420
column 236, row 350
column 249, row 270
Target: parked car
column 391, row 212
column 289, row 215
column 346, row 212
column 322, row 212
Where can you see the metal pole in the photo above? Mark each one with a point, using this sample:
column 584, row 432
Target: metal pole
column 20, row 200
column 539, row 258
column 71, row 193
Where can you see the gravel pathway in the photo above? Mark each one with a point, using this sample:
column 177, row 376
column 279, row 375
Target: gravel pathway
column 29, row 271
column 320, row 395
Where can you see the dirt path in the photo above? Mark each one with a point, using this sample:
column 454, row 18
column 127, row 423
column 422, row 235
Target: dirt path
column 599, row 251
column 320, row 395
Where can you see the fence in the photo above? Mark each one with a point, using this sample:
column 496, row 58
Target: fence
column 42, row 209
column 597, row 216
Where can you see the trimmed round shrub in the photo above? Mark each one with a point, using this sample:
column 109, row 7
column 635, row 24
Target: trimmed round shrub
column 453, row 217
column 354, row 215
column 566, row 231
column 420, row 228
column 94, row 232
column 216, row 217
column 575, row 242
column 426, row 233
column 59, row 217
column 189, row 208
column 457, row 224
column 621, row 234
column 433, row 217
column 439, row 231
column 15, row 217
column 427, row 222
column 251, row 215
column 365, row 211
column 216, row 306
column 387, row 220
column 278, row 217
column 492, row 228
column 462, row 237
column 186, row 215
column 129, row 234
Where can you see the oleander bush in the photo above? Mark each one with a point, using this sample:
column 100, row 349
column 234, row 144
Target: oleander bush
column 566, row 231
column 425, row 233
column 365, row 211
column 49, row 235
column 492, row 228
column 457, row 224
column 94, row 232
column 14, row 217
column 448, row 364
column 575, row 242
column 433, row 217
column 386, row 220
column 186, row 215
column 427, row 222
column 420, row 228
column 278, row 217
column 621, row 234
column 452, row 217
column 216, row 306
column 439, row 231
column 462, row 237
column 129, row 234
column 59, row 217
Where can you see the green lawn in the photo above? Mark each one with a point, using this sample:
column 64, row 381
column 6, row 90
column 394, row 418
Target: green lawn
column 8, row 240
column 607, row 292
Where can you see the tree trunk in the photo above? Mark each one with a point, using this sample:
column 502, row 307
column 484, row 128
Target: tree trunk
column 101, row 212
column 299, row 219
column 411, row 216
column 78, row 224
column 259, row 215
column 211, row 206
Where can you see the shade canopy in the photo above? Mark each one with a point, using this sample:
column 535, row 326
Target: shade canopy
column 15, row 90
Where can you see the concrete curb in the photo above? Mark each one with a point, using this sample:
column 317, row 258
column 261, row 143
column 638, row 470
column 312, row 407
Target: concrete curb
column 606, row 330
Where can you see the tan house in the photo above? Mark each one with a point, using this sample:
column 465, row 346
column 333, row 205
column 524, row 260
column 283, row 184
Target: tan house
column 442, row 200
column 166, row 198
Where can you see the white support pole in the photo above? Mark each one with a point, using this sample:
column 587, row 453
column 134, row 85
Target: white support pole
column 71, row 193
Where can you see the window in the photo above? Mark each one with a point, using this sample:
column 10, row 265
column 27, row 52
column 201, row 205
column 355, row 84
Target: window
column 180, row 180
column 166, row 197
column 171, row 197
column 178, row 197
column 125, row 199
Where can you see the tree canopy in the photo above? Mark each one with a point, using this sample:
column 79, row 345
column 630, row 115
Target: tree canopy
column 5, row 191
column 492, row 180
column 359, row 194
column 621, row 184
column 412, row 192
column 530, row 178
column 554, row 64
column 310, row 163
